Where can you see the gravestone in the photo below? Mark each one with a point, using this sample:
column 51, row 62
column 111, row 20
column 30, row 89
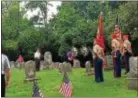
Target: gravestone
column 22, row 65
column 133, row 62
column 61, row 68
column 133, row 74
column 89, row 70
column 48, row 60
column 52, row 66
column 41, row 65
column 109, row 62
column 132, row 82
column 30, row 70
column 12, row 63
column 56, row 64
column 17, row 65
column 76, row 63
column 67, row 67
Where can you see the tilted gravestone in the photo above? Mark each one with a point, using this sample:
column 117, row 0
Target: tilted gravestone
column 133, row 74
column 48, row 63
column 30, row 70
column 89, row 70
column 76, row 63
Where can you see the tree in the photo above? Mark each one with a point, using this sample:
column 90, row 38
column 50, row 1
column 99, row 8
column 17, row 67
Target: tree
column 42, row 5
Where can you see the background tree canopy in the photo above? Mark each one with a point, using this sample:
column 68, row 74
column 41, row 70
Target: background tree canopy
column 74, row 25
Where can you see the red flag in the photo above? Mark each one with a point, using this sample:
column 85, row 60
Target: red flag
column 99, row 35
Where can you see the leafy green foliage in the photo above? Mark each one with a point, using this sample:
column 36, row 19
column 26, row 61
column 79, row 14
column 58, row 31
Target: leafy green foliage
column 74, row 25
column 42, row 5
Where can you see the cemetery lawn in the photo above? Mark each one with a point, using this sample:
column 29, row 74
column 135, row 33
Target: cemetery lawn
column 83, row 85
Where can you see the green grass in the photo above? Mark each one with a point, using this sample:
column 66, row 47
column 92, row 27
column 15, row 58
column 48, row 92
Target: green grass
column 50, row 81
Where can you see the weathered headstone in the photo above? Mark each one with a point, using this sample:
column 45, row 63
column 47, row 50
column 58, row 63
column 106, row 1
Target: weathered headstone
column 133, row 74
column 133, row 62
column 48, row 60
column 56, row 64
column 41, row 65
column 52, row 66
column 89, row 70
column 12, row 63
column 16, row 63
column 61, row 68
column 22, row 64
column 30, row 70
column 67, row 67
column 109, row 62
column 132, row 82
column 76, row 63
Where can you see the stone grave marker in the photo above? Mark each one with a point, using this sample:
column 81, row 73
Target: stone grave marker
column 48, row 63
column 30, row 70
column 133, row 74
column 89, row 70
column 76, row 63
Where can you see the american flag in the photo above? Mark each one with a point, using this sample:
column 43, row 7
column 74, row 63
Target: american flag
column 66, row 86
column 36, row 91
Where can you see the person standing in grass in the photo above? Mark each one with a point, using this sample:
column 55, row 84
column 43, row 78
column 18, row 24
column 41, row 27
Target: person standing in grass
column 117, row 58
column 127, row 52
column 37, row 57
column 98, row 62
column 5, row 73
